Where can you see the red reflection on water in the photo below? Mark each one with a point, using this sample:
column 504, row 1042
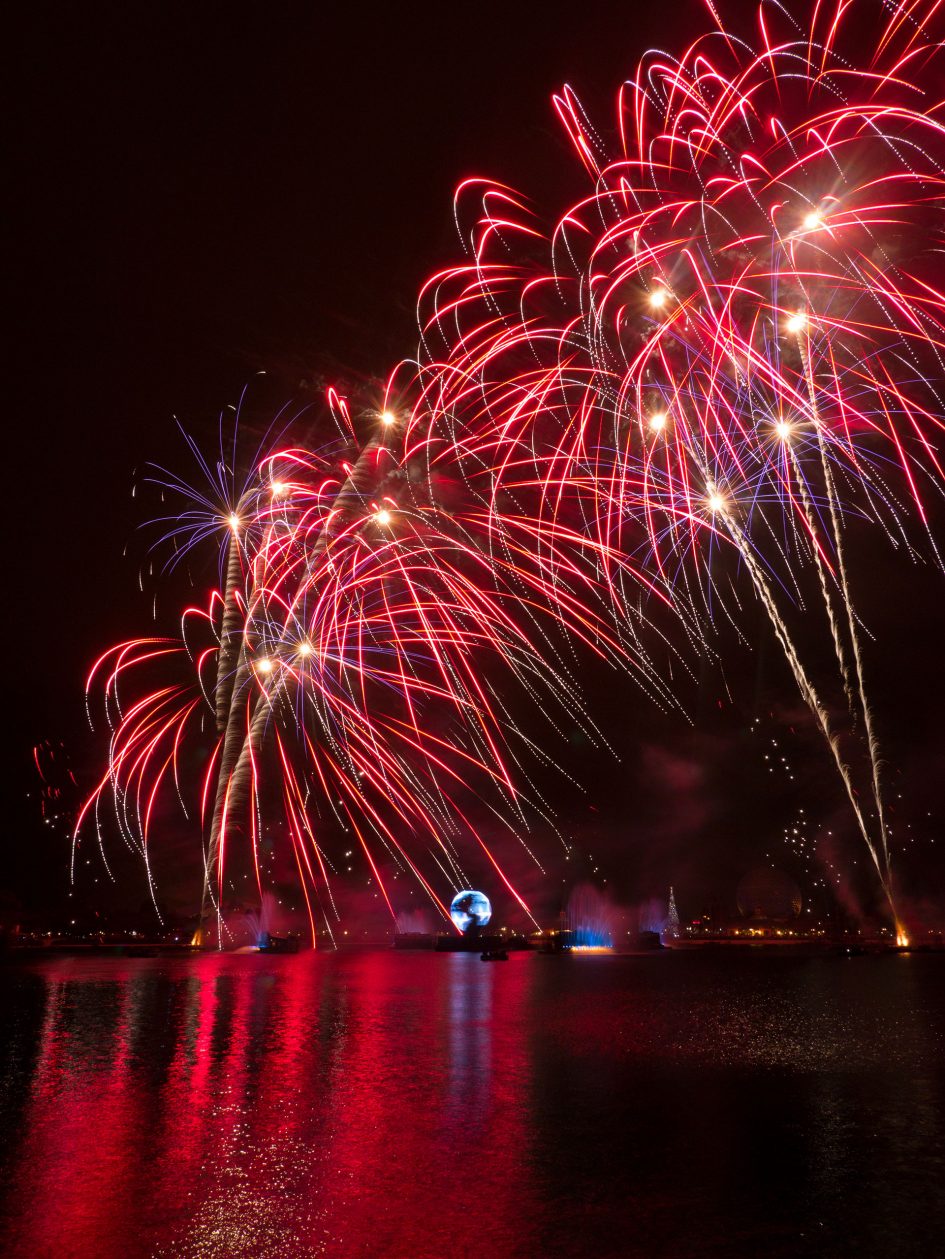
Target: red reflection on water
column 360, row 1104
column 83, row 1127
column 428, row 1120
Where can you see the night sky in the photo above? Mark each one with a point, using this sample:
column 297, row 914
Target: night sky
column 204, row 192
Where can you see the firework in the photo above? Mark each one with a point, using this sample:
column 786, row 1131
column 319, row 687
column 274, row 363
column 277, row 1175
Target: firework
column 339, row 666
column 732, row 344
column 715, row 372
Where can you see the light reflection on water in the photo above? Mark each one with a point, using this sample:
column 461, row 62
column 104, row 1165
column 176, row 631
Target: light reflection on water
column 421, row 1105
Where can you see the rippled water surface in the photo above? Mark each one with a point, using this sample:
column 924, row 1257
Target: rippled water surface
column 415, row 1105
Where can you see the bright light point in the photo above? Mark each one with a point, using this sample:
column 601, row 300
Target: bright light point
column 812, row 221
column 783, row 429
column 797, row 322
column 383, row 517
column 234, row 520
column 264, row 665
column 388, row 417
column 279, row 488
column 305, row 649
column 716, row 502
column 658, row 298
column 658, row 421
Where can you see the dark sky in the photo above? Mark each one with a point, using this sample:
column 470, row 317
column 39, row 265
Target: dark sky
column 203, row 191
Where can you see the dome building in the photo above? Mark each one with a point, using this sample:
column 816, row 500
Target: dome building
column 769, row 908
column 768, row 895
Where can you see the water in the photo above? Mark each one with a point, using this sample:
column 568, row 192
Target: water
column 428, row 1106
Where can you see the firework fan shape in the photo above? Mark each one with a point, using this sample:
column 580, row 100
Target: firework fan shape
column 344, row 663
column 732, row 343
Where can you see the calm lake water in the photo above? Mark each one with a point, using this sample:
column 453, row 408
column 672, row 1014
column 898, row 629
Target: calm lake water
column 420, row 1105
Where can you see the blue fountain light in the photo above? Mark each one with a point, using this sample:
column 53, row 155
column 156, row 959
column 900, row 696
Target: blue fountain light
column 591, row 937
column 470, row 909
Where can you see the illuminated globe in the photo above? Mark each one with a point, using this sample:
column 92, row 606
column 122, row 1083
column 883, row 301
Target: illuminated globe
column 470, row 909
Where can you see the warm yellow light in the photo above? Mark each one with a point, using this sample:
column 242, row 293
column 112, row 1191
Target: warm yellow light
column 812, row 221
column 383, row 517
column 388, row 417
column 797, row 322
column 901, row 938
column 716, row 501
column 783, row 429
column 264, row 665
column 658, row 298
column 279, row 488
column 233, row 520
column 658, row 421
column 305, row 649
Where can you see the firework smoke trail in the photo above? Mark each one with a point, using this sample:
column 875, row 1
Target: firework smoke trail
column 243, row 738
column 757, row 262
column 229, row 630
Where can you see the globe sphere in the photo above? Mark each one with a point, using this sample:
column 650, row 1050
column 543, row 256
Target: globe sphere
column 470, row 909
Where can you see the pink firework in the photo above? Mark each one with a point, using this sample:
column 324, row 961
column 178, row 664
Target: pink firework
column 733, row 342
column 345, row 667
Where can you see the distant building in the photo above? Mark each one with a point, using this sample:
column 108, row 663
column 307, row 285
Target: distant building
column 768, row 894
column 769, row 904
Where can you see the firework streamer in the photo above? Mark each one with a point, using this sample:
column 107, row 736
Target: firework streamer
column 852, row 625
column 804, row 684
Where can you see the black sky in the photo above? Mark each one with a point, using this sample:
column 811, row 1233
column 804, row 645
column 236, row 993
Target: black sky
column 203, row 191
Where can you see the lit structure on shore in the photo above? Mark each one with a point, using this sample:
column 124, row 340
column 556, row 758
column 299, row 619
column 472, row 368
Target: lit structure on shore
column 769, row 908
